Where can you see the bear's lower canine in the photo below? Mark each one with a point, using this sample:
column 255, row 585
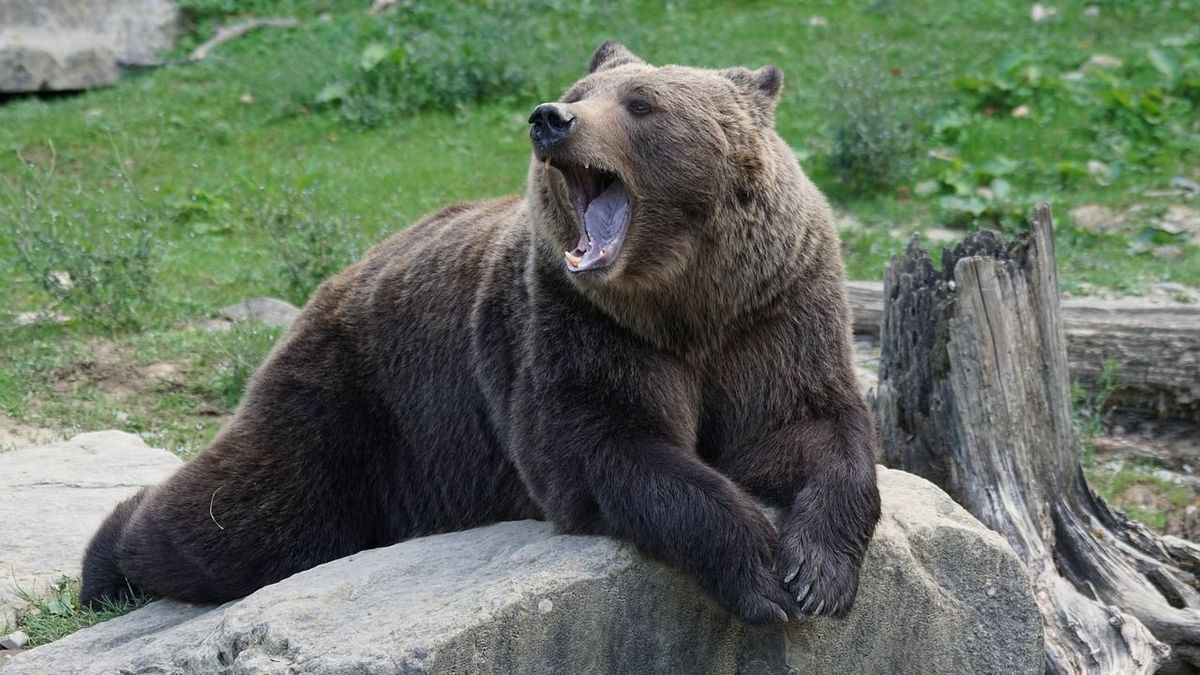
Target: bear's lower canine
column 652, row 337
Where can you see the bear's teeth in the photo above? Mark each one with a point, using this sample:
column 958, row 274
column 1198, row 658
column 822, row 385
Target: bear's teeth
column 572, row 259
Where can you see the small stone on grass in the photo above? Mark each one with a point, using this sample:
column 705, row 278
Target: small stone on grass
column 14, row 640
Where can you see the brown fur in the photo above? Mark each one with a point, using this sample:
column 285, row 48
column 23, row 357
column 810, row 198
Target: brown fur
column 458, row 376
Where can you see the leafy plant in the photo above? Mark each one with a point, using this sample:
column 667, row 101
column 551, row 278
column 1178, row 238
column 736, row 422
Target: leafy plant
column 242, row 349
column 1153, row 236
column 311, row 249
column 437, row 57
column 1015, row 80
column 1090, row 407
column 1132, row 111
column 108, row 283
column 872, row 145
column 1142, row 121
column 980, row 194
column 203, row 211
column 1180, row 77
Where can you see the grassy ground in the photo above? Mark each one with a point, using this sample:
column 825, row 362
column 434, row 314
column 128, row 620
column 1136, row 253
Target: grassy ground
column 1137, row 485
column 1138, row 489
column 203, row 155
column 56, row 613
column 264, row 168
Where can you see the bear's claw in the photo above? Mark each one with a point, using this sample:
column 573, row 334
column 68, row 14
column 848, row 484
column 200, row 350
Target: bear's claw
column 756, row 596
column 792, row 575
column 822, row 580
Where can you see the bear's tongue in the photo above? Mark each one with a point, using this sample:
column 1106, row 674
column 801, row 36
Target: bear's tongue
column 605, row 221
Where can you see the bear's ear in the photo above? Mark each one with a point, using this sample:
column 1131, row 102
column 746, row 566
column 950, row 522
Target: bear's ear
column 611, row 54
column 762, row 85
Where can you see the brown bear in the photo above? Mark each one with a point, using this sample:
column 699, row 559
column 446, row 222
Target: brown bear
column 655, row 335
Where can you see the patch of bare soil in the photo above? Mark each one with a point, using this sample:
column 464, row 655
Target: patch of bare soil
column 14, row 434
column 1143, row 497
column 109, row 367
column 104, row 365
column 1171, row 445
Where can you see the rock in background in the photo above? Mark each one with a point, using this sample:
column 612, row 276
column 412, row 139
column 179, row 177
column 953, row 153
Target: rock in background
column 53, row 498
column 267, row 311
column 61, row 45
column 940, row 594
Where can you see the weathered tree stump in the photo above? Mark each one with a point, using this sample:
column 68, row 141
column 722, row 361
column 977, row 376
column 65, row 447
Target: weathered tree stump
column 1156, row 347
column 974, row 395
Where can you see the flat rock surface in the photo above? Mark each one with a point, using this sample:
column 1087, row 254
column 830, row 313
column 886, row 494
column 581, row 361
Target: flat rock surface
column 940, row 594
column 53, row 498
column 78, row 44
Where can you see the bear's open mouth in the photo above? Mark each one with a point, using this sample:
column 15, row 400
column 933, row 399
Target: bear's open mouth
column 603, row 207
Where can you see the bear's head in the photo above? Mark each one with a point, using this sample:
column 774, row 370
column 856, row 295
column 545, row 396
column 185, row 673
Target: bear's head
column 636, row 165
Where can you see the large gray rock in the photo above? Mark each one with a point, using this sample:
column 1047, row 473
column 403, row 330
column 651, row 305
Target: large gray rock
column 267, row 311
column 940, row 594
column 78, row 44
column 53, row 498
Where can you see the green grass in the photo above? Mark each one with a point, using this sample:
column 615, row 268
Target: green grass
column 1112, row 486
column 264, row 168
column 187, row 188
column 1090, row 407
column 177, row 151
column 56, row 613
column 173, row 386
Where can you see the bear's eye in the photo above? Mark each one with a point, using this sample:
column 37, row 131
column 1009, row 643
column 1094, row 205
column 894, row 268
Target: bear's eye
column 638, row 107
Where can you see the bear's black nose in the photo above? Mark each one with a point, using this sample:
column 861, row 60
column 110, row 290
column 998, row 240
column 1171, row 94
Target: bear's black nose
column 551, row 123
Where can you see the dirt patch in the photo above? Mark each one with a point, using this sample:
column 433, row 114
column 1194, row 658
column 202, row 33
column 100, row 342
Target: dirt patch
column 158, row 372
column 1097, row 218
column 1143, row 497
column 109, row 367
column 14, row 434
column 1171, row 450
column 101, row 364
column 1185, row 220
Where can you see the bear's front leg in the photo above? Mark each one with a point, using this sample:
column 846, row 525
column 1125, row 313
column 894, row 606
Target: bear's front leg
column 675, row 508
column 825, row 535
column 603, row 433
column 599, row 466
column 823, row 470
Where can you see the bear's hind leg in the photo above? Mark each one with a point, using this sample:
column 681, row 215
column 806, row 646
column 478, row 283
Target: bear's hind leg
column 104, row 581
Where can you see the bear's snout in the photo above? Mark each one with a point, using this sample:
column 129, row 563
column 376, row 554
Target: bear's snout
column 550, row 123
